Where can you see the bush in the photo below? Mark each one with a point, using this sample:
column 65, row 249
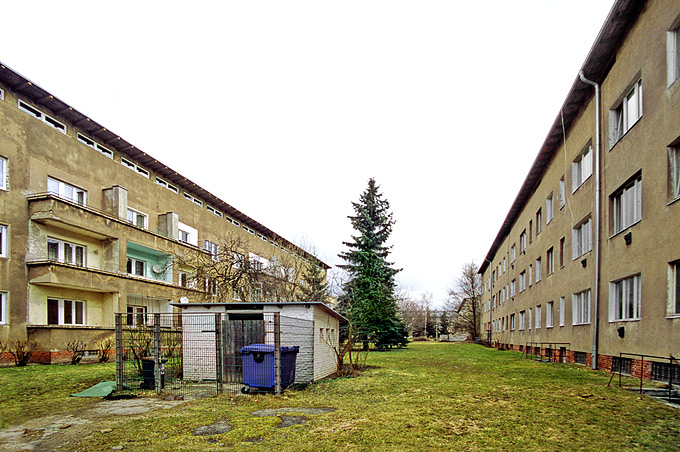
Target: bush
column 104, row 349
column 21, row 351
column 77, row 349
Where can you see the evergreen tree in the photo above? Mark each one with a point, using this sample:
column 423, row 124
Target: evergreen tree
column 315, row 287
column 369, row 300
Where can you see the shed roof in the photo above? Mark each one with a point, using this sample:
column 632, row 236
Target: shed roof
column 260, row 305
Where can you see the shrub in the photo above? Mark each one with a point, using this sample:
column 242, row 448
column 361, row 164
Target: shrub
column 77, row 350
column 103, row 349
column 21, row 351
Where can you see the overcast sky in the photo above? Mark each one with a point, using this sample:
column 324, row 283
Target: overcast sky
column 285, row 109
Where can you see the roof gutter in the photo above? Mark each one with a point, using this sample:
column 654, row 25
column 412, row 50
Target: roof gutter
column 596, row 220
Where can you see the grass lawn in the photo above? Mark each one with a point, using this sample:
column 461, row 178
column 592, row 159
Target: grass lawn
column 35, row 390
column 429, row 396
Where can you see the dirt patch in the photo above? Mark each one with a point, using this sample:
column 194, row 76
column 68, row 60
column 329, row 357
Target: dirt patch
column 55, row 432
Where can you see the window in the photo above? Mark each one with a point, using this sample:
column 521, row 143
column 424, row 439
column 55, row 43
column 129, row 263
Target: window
column 96, row 146
column 522, row 316
column 232, row 221
column 562, row 259
column 50, row 121
column 212, row 248
column 580, row 308
column 531, row 228
column 626, row 114
column 3, row 309
column 136, row 267
column 624, row 299
column 562, row 307
column 512, row 288
column 549, row 314
column 550, row 261
column 136, row 168
column 522, row 281
column 248, row 230
column 549, row 208
column 563, row 194
column 512, row 322
column 187, row 234
column 529, row 319
column 627, row 205
column 214, row 211
column 581, row 168
column 538, row 317
column 2, row 94
column 4, row 239
column 581, row 239
column 66, row 191
column 66, row 252
column 674, row 169
column 197, row 201
column 673, row 54
column 530, row 275
column 256, row 291
column 65, row 312
column 539, row 270
column 523, row 241
column 675, row 288
column 211, row 286
column 136, row 315
column 167, row 185
column 4, row 174
column 580, row 357
column 138, row 218
column 513, row 253
column 625, row 365
column 539, row 221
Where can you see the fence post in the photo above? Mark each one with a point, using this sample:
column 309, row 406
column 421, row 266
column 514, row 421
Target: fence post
column 119, row 351
column 277, row 352
column 218, row 351
column 157, row 375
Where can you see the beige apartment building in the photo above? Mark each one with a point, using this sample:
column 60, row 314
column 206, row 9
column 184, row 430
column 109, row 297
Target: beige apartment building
column 90, row 226
column 586, row 265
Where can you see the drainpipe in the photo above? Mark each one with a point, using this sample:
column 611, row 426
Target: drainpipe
column 596, row 222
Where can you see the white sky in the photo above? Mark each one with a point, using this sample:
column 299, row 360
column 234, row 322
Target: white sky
column 285, row 109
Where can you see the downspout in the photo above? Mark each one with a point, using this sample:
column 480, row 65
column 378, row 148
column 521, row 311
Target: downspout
column 596, row 222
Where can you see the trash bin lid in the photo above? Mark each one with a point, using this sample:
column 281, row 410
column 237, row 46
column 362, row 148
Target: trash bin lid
column 267, row 348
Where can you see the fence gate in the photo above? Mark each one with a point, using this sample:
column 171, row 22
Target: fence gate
column 193, row 354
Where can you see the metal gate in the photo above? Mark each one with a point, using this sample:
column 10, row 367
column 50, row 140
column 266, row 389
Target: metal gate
column 196, row 354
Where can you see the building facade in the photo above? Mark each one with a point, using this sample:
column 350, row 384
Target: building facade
column 90, row 226
column 586, row 265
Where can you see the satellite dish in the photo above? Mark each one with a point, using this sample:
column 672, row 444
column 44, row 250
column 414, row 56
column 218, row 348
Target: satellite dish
column 184, row 300
column 157, row 269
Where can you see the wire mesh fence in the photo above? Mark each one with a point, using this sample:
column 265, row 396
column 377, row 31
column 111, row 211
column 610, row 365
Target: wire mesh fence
column 202, row 354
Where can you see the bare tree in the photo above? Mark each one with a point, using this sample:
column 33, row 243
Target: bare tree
column 465, row 300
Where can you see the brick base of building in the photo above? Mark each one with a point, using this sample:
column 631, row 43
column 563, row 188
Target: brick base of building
column 49, row 357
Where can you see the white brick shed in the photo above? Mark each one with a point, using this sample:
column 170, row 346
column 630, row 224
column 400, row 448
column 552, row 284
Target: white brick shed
column 313, row 326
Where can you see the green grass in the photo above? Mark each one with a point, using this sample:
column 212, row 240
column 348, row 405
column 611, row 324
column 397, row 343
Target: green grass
column 429, row 396
column 35, row 391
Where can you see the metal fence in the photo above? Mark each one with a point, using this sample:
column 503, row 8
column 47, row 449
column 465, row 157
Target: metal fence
column 203, row 354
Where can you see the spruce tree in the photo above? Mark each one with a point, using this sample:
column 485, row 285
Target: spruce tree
column 315, row 287
column 368, row 299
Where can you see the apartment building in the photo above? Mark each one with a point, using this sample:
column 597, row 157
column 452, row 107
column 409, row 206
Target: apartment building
column 586, row 265
column 90, row 226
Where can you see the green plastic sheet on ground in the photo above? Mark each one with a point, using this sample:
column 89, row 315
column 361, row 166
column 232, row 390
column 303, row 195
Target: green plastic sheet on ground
column 101, row 389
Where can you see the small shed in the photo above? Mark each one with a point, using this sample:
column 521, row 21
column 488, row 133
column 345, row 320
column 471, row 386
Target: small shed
column 313, row 326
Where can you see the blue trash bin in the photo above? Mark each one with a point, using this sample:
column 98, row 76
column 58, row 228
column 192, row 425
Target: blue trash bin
column 259, row 370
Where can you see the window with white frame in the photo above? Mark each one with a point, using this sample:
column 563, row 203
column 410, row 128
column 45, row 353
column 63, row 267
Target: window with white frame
column 549, row 314
column 562, row 313
column 187, row 234
column 582, row 239
column 674, row 275
column 47, row 119
column 139, row 219
column 512, row 322
column 549, row 208
column 580, row 308
column 134, row 167
column 136, row 267
column 513, row 285
column 563, row 192
column 562, row 259
column 522, row 281
column 521, row 320
column 136, row 315
column 214, row 211
column 530, row 275
column 539, row 221
column 529, row 321
column 2, row 94
column 550, row 261
column 539, row 269
column 4, row 174
column 67, row 191
column 4, row 320
column 65, row 312
column 513, row 253
column 523, row 241
column 538, row 317
column 94, row 145
column 581, row 168
column 4, row 240
column 627, row 205
column 66, row 252
column 237, row 259
column 624, row 299
column 673, row 53
column 212, row 248
column 196, row 201
column 674, row 169
column 625, row 114
column 167, row 185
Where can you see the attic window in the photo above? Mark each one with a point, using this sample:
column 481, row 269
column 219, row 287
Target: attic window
column 96, row 146
column 138, row 169
column 196, row 201
column 170, row 187
column 50, row 121
column 214, row 211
